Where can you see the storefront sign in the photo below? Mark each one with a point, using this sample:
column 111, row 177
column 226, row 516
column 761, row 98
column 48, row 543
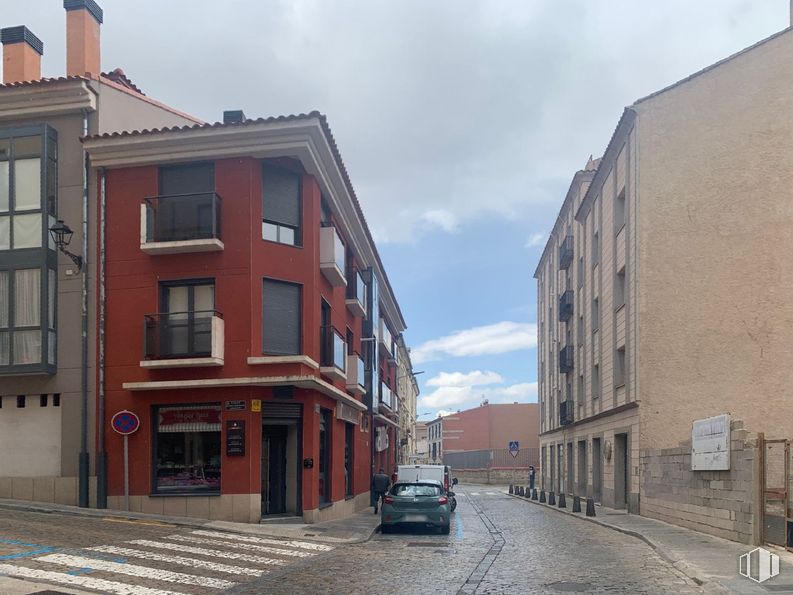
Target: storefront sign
column 256, row 405
column 183, row 419
column 710, row 444
column 346, row 413
column 235, row 405
column 235, row 438
column 381, row 438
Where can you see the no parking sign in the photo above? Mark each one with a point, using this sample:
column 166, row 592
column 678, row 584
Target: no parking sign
column 125, row 422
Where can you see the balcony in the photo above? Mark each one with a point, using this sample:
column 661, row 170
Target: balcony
column 333, row 354
column 356, row 294
column 183, row 340
column 331, row 256
column 386, row 339
column 566, row 413
column 566, row 253
column 566, row 305
column 356, row 374
column 566, row 359
column 386, row 396
column 180, row 223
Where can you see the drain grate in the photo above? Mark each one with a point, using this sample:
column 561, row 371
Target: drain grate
column 426, row 544
column 570, row 587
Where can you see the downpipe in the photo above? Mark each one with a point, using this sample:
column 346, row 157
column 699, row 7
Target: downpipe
column 101, row 457
column 84, row 460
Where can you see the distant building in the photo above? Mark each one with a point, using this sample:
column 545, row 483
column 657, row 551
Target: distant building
column 435, row 441
column 492, row 427
column 420, row 452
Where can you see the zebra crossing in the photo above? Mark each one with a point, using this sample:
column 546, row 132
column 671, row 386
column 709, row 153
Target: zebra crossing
column 200, row 561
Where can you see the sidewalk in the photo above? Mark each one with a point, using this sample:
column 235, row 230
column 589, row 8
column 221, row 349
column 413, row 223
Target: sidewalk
column 710, row 561
column 356, row 528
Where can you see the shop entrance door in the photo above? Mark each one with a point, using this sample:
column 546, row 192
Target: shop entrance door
column 274, row 446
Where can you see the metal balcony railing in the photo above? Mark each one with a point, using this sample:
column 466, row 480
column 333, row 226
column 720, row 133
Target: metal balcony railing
column 566, row 359
column 183, row 217
column 566, row 413
column 179, row 334
column 566, row 252
column 566, row 301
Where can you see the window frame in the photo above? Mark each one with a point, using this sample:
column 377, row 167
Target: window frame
column 300, row 298
column 278, row 225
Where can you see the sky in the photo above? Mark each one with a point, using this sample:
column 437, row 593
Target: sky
column 461, row 123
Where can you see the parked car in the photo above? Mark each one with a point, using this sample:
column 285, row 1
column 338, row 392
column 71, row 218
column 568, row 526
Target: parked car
column 442, row 473
column 421, row 502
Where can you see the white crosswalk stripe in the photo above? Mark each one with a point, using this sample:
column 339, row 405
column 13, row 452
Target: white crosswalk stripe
column 179, row 547
column 246, row 546
column 86, row 582
column 265, row 541
column 135, row 570
column 178, row 560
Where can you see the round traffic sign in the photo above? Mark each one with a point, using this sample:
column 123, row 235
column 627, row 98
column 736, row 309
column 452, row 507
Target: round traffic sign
column 125, row 422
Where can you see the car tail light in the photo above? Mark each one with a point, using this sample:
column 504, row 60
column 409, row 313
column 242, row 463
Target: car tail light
column 446, row 481
column 388, row 500
column 443, row 500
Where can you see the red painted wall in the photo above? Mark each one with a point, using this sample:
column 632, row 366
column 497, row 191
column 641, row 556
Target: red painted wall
column 492, row 427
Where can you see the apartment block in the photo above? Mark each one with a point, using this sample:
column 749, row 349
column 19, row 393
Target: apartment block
column 663, row 296
column 407, row 394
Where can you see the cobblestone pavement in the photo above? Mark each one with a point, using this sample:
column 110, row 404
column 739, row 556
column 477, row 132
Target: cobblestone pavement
column 497, row 545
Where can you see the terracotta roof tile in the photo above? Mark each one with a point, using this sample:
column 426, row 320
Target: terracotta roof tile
column 43, row 81
column 118, row 76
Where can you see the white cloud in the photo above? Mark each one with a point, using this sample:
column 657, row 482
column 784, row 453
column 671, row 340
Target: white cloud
column 475, row 378
column 443, row 219
column 491, row 339
column 464, row 397
column 445, row 412
column 535, row 239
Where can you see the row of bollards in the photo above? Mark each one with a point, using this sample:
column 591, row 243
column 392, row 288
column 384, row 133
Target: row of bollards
column 551, row 498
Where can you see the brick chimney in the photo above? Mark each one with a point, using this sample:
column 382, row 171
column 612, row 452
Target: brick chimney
column 83, row 18
column 21, row 54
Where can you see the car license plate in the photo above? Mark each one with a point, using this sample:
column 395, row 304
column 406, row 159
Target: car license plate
column 414, row 518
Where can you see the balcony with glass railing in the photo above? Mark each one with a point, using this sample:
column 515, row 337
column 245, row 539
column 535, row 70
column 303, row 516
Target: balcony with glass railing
column 356, row 294
column 333, row 354
column 181, row 223
column 356, row 374
column 183, row 339
column 331, row 256
column 386, row 339
column 386, row 396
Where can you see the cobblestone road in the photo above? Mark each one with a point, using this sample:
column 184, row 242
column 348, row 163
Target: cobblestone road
column 497, row 544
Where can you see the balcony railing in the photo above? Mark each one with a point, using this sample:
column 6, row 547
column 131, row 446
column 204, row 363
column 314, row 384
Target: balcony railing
column 183, row 339
column 566, row 305
column 566, row 413
column 566, row 359
column 386, row 339
column 331, row 256
column 356, row 374
column 333, row 354
column 181, row 223
column 566, row 252
column 356, row 294
column 386, row 396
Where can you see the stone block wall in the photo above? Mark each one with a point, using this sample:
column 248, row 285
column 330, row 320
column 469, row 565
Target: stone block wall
column 719, row 503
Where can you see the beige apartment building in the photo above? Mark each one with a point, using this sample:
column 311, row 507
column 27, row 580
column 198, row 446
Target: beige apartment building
column 407, row 395
column 664, row 297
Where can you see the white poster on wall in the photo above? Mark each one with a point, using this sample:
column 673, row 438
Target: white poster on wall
column 710, row 444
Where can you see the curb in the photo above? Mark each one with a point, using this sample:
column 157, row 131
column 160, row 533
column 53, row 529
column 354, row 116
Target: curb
column 687, row 569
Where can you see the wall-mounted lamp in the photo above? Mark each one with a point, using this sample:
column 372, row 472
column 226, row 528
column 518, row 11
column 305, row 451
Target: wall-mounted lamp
column 62, row 236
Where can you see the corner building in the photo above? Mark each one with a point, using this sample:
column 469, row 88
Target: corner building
column 249, row 322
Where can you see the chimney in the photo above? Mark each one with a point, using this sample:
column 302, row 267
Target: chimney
column 238, row 117
column 83, row 18
column 21, row 54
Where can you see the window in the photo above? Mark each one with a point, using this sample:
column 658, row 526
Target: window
column 595, row 381
column 619, row 211
column 581, row 396
column 349, row 438
column 56, row 400
column 595, row 249
column 21, row 224
column 281, row 205
column 21, row 401
column 580, row 272
column 20, row 317
column 619, row 367
column 186, row 208
column 413, row 490
column 42, row 400
column 595, row 314
column 324, row 456
column 281, row 309
column 187, row 448
column 187, row 308
column 580, row 331
column 619, row 289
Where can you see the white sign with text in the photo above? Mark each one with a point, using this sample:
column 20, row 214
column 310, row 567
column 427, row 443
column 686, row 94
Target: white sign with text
column 710, row 444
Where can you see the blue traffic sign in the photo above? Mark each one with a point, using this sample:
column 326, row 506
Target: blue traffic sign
column 514, row 448
column 125, row 422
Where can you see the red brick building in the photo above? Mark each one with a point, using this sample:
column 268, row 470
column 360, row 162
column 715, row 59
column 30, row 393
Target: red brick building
column 492, row 427
column 249, row 321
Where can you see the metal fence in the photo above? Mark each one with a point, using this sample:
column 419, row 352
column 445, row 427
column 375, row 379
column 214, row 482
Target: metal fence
column 492, row 459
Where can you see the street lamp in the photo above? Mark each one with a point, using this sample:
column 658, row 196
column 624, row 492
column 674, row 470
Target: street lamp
column 62, row 236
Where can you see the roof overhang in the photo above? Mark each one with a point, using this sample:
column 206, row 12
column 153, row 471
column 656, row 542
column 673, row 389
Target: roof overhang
column 46, row 98
column 308, row 382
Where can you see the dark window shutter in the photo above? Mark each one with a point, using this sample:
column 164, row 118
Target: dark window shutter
column 281, row 196
column 281, row 318
column 196, row 178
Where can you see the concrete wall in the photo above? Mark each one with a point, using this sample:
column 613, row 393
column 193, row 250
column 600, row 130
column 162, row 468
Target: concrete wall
column 492, row 476
column 716, row 502
column 714, row 210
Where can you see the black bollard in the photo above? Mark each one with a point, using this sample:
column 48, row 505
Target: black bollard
column 534, row 494
column 511, row 489
column 551, row 498
column 542, row 496
column 562, row 503
column 522, row 492
column 590, row 507
column 576, row 504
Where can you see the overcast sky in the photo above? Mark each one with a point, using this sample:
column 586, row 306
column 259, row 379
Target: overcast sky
column 461, row 123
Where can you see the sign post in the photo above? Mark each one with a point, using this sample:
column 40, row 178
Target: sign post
column 514, row 449
column 125, row 423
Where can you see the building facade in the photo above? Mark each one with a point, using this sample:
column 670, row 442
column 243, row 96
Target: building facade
column 491, row 427
column 420, row 453
column 435, row 441
column 407, row 395
column 47, row 372
column 661, row 292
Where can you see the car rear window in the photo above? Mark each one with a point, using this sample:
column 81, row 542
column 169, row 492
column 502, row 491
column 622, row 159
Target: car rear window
column 412, row 489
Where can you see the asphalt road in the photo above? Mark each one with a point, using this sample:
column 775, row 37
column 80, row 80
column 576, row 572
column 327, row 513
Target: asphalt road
column 497, row 544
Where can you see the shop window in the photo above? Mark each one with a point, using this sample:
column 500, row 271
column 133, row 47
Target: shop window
column 187, row 448
column 324, row 457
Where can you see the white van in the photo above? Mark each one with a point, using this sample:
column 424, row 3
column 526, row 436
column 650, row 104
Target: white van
column 415, row 473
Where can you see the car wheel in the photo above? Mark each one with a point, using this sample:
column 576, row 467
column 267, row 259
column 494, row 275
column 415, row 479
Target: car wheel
column 445, row 529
